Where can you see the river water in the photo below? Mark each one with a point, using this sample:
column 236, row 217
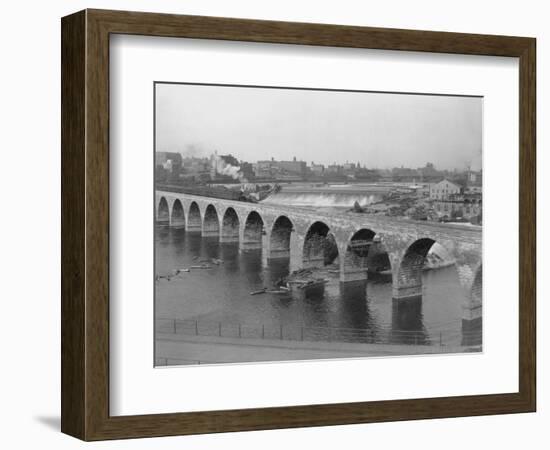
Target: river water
column 218, row 300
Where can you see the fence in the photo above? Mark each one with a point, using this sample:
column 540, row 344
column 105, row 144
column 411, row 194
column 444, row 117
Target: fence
column 376, row 335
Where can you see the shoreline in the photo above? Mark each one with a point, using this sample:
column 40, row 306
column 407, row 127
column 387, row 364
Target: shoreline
column 185, row 349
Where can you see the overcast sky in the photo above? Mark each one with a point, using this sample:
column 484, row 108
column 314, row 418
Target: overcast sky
column 377, row 129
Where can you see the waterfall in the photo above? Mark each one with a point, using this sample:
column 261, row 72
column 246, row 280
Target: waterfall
column 322, row 199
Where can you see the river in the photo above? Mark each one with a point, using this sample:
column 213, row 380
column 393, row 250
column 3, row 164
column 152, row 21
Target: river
column 220, row 296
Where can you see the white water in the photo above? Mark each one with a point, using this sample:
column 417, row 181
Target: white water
column 322, row 199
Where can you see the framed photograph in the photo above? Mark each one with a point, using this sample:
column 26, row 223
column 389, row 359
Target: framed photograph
column 272, row 224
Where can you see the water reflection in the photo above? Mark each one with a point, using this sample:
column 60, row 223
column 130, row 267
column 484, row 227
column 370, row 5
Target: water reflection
column 407, row 321
column 354, row 308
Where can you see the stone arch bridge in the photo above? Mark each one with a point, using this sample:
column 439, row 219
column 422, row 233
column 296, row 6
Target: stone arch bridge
column 309, row 239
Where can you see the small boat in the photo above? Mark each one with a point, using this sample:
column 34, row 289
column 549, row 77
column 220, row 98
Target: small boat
column 217, row 261
column 178, row 271
column 163, row 277
column 203, row 266
column 279, row 291
column 313, row 283
column 306, row 284
column 260, row 291
column 298, row 281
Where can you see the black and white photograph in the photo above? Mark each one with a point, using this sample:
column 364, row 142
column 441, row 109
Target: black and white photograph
column 311, row 224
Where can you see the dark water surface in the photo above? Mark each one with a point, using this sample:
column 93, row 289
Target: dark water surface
column 221, row 295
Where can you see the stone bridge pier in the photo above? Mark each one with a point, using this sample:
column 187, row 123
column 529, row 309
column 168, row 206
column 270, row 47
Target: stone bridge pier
column 354, row 263
column 472, row 306
column 352, row 245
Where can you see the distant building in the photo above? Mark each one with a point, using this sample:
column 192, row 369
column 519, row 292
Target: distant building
column 334, row 169
column 464, row 206
column 474, row 182
column 444, row 189
column 247, row 170
column 317, row 169
column 474, row 178
column 405, row 174
column 262, row 169
column 474, row 189
column 429, row 173
column 294, row 167
column 365, row 174
column 281, row 169
column 169, row 160
column 193, row 165
column 168, row 166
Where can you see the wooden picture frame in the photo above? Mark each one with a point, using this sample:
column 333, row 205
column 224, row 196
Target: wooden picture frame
column 85, row 224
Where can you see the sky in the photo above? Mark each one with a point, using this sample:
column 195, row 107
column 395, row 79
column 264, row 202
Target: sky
column 379, row 130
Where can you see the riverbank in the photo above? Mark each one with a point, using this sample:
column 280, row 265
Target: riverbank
column 173, row 349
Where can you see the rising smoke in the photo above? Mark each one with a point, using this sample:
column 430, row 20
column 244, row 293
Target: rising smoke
column 224, row 168
column 198, row 150
column 194, row 150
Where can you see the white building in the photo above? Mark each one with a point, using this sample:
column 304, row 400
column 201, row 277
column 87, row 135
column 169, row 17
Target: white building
column 442, row 190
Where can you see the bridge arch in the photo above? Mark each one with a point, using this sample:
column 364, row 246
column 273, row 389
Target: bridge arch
column 354, row 264
column 378, row 259
column 279, row 240
column 163, row 211
column 194, row 221
column 253, row 231
column 320, row 247
column 230, row 226
column 211, row 222
column 408, row 282
column 177, row 218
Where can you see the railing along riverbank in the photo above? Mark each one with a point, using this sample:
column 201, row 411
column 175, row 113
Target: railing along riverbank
column 384, row 334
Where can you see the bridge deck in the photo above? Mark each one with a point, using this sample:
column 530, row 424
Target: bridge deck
column 379, row 222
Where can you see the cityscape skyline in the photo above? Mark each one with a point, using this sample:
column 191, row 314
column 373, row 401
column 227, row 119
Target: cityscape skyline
column 361, row 163
column 378, row 130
